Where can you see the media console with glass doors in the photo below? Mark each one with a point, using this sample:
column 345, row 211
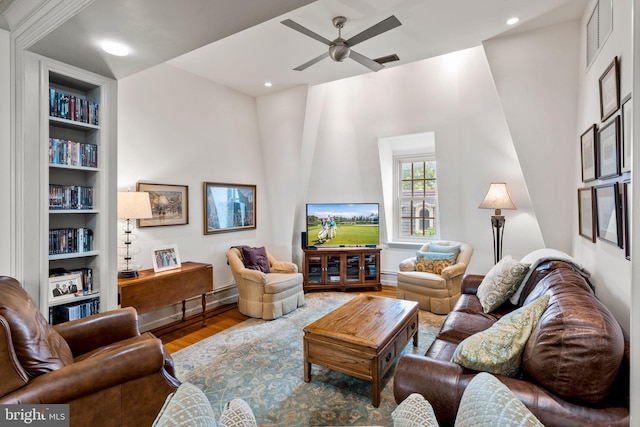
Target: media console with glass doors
column 341, row 268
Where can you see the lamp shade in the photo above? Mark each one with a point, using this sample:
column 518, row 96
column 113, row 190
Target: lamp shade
column 497, row 198
column 134, row 205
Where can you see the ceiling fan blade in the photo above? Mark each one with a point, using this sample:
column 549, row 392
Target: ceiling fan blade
column 294, row 25
column 388, row 58
column 369, row 63
column 313, row 61
column 382, row 26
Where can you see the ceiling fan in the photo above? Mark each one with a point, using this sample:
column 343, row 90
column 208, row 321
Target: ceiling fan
column 340, row 49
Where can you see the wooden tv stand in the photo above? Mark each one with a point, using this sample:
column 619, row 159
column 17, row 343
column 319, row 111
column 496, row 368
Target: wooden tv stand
column 341, row 268
column 151, row 291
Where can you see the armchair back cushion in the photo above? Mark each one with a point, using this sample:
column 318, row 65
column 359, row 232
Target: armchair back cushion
column 39, row 348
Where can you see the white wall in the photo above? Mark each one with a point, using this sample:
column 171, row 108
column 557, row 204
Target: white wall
column 177, row 128
column 5, row 153
column 472, row 142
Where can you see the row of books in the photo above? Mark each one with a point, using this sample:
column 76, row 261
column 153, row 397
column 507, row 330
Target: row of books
column 74, row 310
column 71, row 153
column 70, row 197
column 86, row 275
column 71, row 107
column 70, row 240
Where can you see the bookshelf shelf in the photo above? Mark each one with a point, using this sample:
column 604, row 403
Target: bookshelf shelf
column 74, row 255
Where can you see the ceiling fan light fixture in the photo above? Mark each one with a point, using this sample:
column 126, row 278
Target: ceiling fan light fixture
column 339, row 52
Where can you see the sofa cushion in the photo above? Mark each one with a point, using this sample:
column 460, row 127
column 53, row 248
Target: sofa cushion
column 255, row 258
column 414, row 411
column 186, row 407
column 445, row 248
column 39, row 348
column 499, row 349
column 577, row 347
column 237, row 413
column 433, row 262
column 486, row 402
column 501, row 282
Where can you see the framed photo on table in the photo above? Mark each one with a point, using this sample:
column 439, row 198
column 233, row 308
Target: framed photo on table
column 586, row 214
column 610, row 90
column 608, row 149
column 229, row 207
column 588, row 153
column 608, row 224
column 169, row 204
column 165, row 258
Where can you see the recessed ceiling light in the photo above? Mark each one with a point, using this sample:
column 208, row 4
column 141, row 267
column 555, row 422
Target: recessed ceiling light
column 115, row 48
column 513, row 21
column 268, row 84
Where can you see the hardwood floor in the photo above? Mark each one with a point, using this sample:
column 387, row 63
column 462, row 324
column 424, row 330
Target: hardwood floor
column 179, row 335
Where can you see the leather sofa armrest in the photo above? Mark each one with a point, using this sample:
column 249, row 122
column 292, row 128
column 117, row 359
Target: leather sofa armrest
column 91, row 332
column 453, row 270
column 284, row 267
column 408, row 264
column 440, row 382
column 253, row 275
column 13, row 374
column 470, row 283
column 94, row 374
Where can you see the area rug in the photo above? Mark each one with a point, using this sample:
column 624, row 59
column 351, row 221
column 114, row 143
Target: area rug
column 262, row 362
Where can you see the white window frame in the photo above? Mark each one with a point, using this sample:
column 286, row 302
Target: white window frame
column 397, row 210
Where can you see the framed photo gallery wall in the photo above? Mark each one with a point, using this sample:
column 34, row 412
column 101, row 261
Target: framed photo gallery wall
column 604, row 203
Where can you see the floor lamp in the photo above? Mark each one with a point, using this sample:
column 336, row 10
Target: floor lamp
column 497, row 198
column 131, row 205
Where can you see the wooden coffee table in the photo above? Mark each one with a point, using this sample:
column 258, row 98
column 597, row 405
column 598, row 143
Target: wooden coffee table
column 361, row 338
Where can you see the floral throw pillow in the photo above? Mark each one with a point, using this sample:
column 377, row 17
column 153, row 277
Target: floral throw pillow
column 501, row 282
column 431, row 262
column 498, row 350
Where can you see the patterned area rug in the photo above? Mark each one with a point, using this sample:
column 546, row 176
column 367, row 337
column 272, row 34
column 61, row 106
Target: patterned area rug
column 262, row 362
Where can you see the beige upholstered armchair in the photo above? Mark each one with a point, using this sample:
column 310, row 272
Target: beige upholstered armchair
column 270, row 288
column 433, row 283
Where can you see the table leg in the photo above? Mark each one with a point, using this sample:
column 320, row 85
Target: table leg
column 184, row 310
column 375, row 384
column 204, row 310
column 415, row 334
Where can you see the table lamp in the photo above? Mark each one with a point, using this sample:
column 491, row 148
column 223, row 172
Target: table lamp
column 497, row 198
column 132, row 205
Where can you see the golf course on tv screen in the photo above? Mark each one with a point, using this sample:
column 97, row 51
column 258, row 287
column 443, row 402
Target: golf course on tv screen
column 342, row 224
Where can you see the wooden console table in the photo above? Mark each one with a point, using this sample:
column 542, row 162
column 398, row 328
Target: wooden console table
column 151, row 291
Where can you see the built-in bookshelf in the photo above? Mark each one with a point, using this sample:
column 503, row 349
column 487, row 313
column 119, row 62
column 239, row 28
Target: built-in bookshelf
column 77, row 279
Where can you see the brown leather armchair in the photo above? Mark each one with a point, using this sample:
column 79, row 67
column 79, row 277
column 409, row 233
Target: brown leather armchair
column 108, row 373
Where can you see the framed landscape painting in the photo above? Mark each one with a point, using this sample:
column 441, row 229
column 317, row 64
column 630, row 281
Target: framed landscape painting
column 229, row 207
column 169, row 204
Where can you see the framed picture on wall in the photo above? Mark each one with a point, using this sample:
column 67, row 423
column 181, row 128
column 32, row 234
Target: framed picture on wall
column 588, row 153
column 586, row 214
column 169, row 204
column 610, row 90
column 608, row 149
column 626, row 138
column 626, row 213
column 607, row 198
column 229, row 207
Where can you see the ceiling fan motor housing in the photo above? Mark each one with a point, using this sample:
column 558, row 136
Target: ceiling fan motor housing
column 339, row 51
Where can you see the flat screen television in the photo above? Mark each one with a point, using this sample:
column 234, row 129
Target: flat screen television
column 342, row 224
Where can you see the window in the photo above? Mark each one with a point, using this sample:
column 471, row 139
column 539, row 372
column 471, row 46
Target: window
column 417, row 198
column 599, row 27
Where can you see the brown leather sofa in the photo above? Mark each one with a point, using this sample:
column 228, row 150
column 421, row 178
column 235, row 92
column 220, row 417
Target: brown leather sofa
column 108, row 373
column 575, row 365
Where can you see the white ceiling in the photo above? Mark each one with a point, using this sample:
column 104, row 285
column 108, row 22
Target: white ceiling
column 241, row 43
